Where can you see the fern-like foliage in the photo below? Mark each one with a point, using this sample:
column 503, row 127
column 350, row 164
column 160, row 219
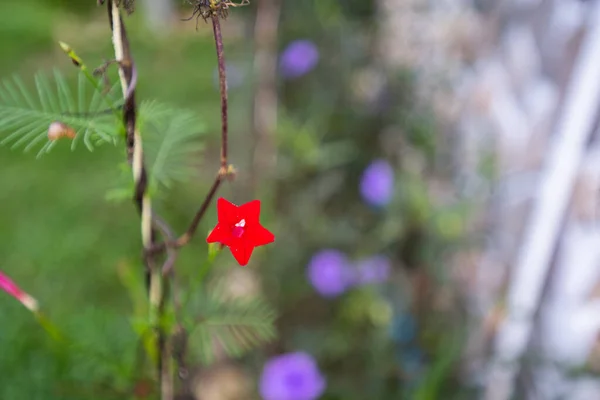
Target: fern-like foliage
column 25, row 116
column 232, row 326
column 170, row 137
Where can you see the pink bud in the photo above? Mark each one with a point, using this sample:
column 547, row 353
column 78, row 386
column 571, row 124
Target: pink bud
column 11, row 288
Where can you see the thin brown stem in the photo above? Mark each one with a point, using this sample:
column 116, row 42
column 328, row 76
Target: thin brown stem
column 187, row 236
column 222, row 87
column 189, row 233
column 225, row 171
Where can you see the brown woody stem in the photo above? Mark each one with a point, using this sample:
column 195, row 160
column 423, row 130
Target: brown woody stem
column 222, row 87
column 187, row 236
column 135, row 156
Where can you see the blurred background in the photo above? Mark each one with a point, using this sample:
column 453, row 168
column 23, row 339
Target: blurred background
column 430, row 169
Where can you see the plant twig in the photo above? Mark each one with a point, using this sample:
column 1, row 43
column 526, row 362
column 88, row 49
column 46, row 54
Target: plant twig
column 222, row 88
column 78, row 62
column 127, row 75
column 158, row 277
column 168, row 268
column 225, row 170
column 135, row 156
column 187, row 236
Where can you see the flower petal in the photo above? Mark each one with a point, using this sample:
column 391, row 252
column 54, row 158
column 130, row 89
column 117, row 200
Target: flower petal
column 219, row 235
column 250, row 211
column 242, row 253
column 258, row 235
column 227, row 212
column 7, row 285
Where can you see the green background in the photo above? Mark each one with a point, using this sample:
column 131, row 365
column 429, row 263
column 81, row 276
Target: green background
column 63, row 242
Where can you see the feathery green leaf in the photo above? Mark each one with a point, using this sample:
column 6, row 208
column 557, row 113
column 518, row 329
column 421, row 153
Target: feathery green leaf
column 171, row 140
column 25, row 117
column 234, row 326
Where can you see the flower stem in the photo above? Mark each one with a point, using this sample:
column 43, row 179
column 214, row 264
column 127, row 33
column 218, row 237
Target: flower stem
column 135, row 156
column 222, row 87
column 224, row 171
column 187, row 236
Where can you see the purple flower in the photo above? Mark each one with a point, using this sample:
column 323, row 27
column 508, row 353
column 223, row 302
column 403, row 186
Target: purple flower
column 291, row 376
column 377, row 183
column 298, row 59
column 373, row 270
column 329, row 273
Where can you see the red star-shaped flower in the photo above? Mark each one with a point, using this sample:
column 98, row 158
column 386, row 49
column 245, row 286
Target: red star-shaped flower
column 239, row 229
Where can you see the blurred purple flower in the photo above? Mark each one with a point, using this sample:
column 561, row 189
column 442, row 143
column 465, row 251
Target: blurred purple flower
column 298, row 58
column 374, row 269
column 377, row 183
column 235, row 76
column 329, row 273
column 291, row 376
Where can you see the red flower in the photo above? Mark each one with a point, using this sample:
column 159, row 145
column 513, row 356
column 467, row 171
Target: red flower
column 239, row 229
column 11, row 288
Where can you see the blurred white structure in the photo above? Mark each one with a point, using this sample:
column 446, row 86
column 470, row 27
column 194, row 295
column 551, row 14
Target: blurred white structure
column 567, row 328
column 520, row 78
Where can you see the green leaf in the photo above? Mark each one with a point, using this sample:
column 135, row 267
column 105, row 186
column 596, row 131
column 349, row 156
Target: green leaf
column 449, row 351
column 118, row 195
column 26, row 116
column 171, row 140
column 134, row 284
column 234, row 326
column 101, row 342
column 123, row 186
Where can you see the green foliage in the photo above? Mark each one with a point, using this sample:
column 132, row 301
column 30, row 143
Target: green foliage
column 98, row 336
column 25, row 117
column 97, row 345
column 234, row 326
column 433, row 386
column 170, row 134
column 304, row 144
column 132, row 281
column 170, row 140
column 59, row 237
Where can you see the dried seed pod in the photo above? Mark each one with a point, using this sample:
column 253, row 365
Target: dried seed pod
column 58, row 130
